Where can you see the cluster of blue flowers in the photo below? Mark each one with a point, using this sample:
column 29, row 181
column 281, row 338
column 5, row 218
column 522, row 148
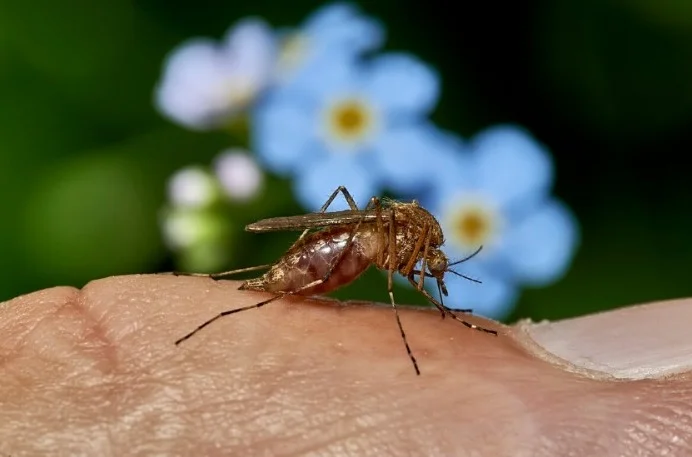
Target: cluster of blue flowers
column 326, row 107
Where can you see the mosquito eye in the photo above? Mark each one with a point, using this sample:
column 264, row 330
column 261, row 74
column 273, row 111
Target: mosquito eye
column 438, row 265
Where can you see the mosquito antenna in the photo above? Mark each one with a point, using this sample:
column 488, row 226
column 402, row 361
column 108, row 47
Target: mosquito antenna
column 478, row 281
column 468, row 257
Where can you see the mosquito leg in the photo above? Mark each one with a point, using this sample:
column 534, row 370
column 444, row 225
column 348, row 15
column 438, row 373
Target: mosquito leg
column 379, row 224
column 391, row 245
column 423, row 239
column 226, row 313
column 451, row 312
column 401, row 327
column 416, row 250
column 470, row 325
column 390, row 287
column 245, row 308
column 440, row 294
column 415, row 283
column 223, row 274
column 424, row 262
column 418, row 272
column 347, row 196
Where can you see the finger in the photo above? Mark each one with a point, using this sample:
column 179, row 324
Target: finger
column 636, row 342
column 296, row 376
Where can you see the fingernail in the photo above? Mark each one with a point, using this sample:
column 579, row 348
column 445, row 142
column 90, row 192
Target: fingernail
column 645, row 341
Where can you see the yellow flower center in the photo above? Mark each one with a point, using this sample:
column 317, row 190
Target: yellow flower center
column 350, row 120
column 473, row 223
column 472, row 226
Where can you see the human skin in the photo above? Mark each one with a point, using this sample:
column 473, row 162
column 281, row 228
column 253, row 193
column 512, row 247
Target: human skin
column 95, row 372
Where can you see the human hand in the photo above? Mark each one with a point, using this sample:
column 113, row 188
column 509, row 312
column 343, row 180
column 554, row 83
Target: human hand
column 95, row 372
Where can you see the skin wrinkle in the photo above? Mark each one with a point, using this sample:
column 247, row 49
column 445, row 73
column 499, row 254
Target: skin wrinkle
column 662, row 426
column 639, row 433
column 320, row 441
column 273, row 406
column 17, row 330
column 115, row 391
column 28, row 375
column 96, row 337
column 298, row 377
column 387, row 423
column 320, row 429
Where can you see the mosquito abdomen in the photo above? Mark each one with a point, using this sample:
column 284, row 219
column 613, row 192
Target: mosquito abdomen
column 312, row 260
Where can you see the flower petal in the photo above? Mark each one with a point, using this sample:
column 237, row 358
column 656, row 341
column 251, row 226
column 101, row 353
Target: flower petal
column 540, row 248
column 186, row 91
column 402, row 85
column 342, row 25
column 284, row 133
column 192, row 187
column 453, row 171
column 322, row 76
column 204, row 83
column 411, row 158
column 238, row 174
column 319, row 179
column 250, row 46
column 511, row 166
column 440, row 158
column 494, row 297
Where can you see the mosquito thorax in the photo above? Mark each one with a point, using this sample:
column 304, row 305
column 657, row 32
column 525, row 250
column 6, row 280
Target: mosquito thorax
column 414, row 215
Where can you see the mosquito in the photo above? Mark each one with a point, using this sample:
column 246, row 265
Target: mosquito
column 336, row 247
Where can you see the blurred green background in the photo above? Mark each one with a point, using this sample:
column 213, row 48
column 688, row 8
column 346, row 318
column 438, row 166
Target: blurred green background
column 606, row 85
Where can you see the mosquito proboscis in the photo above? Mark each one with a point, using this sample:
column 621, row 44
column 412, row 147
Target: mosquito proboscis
column 338, row 246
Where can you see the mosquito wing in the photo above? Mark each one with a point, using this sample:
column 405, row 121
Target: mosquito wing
column 315, row 220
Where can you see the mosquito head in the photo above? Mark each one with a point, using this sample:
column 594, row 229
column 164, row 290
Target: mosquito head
column 438, row 265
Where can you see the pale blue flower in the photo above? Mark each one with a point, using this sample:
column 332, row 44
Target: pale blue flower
column 337, row 28
column 361, row 124
column 205, row 83
column 239, row 174
column 494, row 193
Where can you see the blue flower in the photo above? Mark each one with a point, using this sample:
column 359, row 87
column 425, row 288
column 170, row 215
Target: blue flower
column 335, row 28
column 495, row 193
column 205, row 83
column 361, row 124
